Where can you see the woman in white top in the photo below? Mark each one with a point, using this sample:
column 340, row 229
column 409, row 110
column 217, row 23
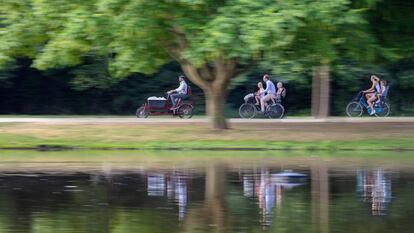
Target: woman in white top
column 371, row 93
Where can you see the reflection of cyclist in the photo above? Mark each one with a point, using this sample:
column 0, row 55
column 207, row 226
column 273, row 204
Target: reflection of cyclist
column 371, row 93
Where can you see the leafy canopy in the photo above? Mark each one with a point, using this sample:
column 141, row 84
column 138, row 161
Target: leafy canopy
column 142, row 35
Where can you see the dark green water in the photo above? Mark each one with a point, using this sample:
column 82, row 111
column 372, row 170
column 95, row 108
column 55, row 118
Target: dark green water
column 231, row 195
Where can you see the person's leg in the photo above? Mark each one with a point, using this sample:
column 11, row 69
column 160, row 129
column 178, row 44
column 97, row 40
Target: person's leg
column 273, row 99
column 264, row 100
column 378, row 100
column 173, row 97
column 179, row 96
column 370, row 103
column 257, row 99
column 368, row 96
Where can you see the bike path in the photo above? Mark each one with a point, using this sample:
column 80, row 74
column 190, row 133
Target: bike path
column 91, row 120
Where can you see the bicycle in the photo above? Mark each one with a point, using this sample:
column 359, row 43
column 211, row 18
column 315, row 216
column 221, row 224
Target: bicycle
column 163, row 106
column 249, row 109
column 356, row 107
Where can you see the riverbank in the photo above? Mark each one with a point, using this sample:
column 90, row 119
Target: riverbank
column 196, row 135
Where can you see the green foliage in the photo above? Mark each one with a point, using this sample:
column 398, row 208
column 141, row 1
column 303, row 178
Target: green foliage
column 92, row 74
column 103, row 40
column 406, row 79
column 392, row 22
column 143, row 35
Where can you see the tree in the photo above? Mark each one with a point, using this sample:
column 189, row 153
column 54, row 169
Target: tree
column 213, row 40
column 324, row 39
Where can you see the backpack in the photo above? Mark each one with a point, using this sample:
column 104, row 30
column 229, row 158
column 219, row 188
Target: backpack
column 189, row 93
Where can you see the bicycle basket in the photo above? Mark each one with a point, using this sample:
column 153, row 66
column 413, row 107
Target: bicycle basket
column 249, row 98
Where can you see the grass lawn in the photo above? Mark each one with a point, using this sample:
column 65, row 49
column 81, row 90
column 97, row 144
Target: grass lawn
column 298, row 136
column 15, row 161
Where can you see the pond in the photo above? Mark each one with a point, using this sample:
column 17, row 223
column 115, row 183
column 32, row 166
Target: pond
column 206, row 191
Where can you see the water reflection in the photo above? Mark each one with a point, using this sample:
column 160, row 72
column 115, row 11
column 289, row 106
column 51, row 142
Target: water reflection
column 268, row 188
column 155, row 184
column 374, row 187
column 177, row 186
column 212, row 198
column 174, row 184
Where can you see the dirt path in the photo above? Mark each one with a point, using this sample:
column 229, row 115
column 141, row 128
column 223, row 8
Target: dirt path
column 117, row 119
column 133, row 130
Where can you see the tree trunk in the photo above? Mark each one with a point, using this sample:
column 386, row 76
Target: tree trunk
column 215, row 103
column 320, row 92
column 212, row 212
column 214, row 85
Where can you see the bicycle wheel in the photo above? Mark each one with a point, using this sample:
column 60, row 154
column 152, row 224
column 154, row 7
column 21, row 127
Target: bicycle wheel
column 247, row 111
column 385, row 110
column 185, row 111
column 141, row 112
column 354, row 109
column 275, row 111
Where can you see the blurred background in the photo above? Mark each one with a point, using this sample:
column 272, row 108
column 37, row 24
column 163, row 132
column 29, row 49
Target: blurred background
column 24, row 90
column 86, row 86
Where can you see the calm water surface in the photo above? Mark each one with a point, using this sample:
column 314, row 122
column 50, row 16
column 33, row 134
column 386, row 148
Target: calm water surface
column 309, row 194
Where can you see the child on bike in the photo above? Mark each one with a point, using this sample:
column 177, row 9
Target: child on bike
column 280, row 93
column 260, row 93
column 383, row 84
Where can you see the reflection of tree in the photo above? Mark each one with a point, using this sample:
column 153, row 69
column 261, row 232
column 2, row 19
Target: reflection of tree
column 375, row 188
column 320, row 198
column 45, row 204
column 18, row 216
column 211, row 215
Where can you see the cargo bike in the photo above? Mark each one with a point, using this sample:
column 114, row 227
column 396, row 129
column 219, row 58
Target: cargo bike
column 163, row 106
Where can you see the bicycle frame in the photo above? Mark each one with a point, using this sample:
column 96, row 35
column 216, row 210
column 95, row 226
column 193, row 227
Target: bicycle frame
column 166, row 109
column 364, row 104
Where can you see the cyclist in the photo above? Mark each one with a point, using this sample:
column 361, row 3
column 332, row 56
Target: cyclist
column 270, row 92
column 371, row 93
column 180, row 92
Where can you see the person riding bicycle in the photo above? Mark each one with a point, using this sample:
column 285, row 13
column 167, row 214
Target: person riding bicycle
column 179, row 92
column 270, row 92
column 371, row 93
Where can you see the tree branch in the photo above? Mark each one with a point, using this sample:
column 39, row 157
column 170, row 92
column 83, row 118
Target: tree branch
column 194, row 76
column 225, row 70
column 200, row 76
